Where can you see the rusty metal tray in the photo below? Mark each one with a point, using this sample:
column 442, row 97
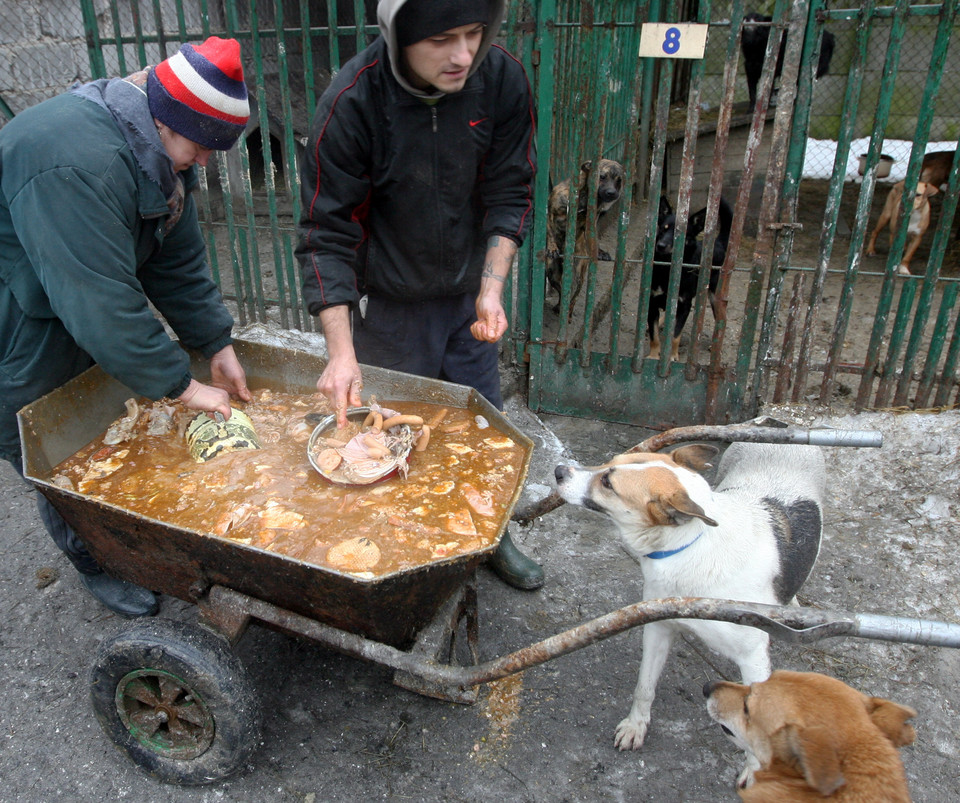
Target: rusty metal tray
column 186, row 564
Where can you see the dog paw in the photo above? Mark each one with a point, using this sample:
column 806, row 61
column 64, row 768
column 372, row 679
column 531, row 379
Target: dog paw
column 630, row 735
column 745, row 778
column 603, row 256
column 903, row 270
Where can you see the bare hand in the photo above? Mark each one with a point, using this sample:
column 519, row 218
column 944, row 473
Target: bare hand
column 227, row 374
column 491, row 321
column 206, row 398
column 341, row 382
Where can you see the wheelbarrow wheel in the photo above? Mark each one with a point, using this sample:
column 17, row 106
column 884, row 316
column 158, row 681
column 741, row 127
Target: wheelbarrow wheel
column 177, row 701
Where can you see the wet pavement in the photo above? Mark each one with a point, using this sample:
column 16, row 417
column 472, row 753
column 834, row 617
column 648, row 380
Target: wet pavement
column 337, row 729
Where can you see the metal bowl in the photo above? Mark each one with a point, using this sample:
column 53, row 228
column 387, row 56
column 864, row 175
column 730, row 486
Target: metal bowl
column 324, row 427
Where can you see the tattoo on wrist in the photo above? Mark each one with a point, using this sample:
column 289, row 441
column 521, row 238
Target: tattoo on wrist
column 488, row 273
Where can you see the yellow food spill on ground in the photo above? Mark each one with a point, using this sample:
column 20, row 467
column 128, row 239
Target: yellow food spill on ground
column 501, row 709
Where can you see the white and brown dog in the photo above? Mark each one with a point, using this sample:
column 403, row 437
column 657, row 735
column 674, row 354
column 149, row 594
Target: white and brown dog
column 754, row 537
column 815, row 738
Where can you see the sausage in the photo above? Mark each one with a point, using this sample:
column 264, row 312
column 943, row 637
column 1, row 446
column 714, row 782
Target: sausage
column 328, row 460
column 374, row 420
column 424, row 439
column 412, row 420
column 434, row 422
column 456, row 427
column 374, row 448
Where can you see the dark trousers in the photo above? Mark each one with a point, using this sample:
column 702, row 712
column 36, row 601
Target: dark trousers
column 428, row 338
column 62, row 533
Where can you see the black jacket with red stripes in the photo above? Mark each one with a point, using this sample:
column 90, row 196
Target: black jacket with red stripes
column 400, row 194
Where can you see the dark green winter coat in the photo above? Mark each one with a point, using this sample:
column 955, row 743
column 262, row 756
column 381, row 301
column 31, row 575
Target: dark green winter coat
column 83, row 254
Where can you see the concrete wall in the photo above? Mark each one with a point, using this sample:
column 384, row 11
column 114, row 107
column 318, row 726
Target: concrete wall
column 830, row 90
column 912, row 70
column 42, row 50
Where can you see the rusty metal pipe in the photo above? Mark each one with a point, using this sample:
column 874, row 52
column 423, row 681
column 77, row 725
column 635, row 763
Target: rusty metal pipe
column 786, row 623
column 761, row 430
column 534, row 510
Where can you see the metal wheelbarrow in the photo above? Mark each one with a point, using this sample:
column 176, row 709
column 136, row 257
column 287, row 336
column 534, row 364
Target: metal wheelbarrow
column 179, row 702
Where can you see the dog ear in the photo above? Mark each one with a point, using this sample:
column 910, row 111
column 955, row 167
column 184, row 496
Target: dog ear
column 891, row 718
column 812, row 751
column 678, row 508
column 696, row 222
column 696, row 456
column 665, row 208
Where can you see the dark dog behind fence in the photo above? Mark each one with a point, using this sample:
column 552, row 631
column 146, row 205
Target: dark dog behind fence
column 689, row 275
column 753, row 44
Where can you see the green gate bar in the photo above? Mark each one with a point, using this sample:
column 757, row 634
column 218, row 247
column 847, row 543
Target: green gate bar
column 596, row 98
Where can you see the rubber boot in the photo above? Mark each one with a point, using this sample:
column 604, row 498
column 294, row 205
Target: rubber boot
column 121, row 597
column 515, row 568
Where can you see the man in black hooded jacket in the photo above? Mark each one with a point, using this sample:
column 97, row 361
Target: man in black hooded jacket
column 417, row 188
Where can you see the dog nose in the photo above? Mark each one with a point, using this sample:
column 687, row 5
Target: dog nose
column 708, row 688
column 561, row 472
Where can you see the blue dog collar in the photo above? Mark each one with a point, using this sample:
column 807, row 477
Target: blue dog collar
column 666, row 553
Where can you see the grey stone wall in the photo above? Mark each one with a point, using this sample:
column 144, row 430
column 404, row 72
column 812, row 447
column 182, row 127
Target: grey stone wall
column 42, row 50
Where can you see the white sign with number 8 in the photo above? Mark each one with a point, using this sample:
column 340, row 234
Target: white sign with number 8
column 673, row 40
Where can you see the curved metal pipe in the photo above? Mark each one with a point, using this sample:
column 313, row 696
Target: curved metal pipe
column 760, row 430
column 801, row 625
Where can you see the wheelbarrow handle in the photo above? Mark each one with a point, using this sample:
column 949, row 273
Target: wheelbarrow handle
column 762, row 433
column 761, row 430
column 783, row 622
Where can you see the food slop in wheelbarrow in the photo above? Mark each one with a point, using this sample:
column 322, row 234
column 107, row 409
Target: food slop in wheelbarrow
column 389, row 609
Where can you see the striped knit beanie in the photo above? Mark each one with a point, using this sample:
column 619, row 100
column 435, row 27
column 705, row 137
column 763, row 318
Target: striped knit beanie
column 199, row 93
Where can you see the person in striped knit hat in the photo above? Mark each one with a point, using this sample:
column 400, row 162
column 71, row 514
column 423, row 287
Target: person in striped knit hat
column 98, row 228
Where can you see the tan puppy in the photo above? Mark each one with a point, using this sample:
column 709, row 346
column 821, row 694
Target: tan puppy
column 815, row 738
column 610, row 176
column 919, row 220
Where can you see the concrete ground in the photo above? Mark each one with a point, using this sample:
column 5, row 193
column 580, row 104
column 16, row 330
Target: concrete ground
column 337, row 729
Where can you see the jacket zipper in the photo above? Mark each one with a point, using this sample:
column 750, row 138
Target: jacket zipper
column 436, row 173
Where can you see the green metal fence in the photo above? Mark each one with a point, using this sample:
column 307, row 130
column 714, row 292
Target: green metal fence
column 250, row 198
column 802, row 313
